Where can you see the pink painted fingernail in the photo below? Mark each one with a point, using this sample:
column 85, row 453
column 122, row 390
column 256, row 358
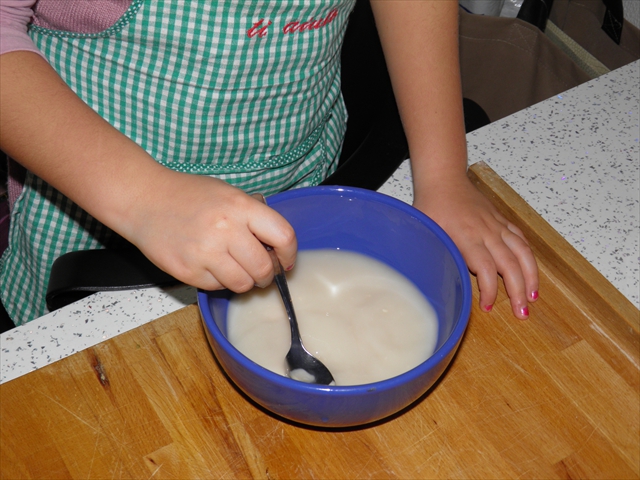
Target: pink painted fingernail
column 524, row 311
column 290, row 267
column 534, row 295
column 488, row 308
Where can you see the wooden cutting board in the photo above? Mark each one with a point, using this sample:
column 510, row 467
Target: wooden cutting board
column 556, row 396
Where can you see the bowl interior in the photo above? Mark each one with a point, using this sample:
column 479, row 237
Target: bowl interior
column 387, row 230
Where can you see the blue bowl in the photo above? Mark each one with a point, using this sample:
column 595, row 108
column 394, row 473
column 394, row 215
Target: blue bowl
column 385, row 229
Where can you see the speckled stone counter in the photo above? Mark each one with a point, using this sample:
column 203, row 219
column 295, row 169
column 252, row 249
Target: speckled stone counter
column 574, row 158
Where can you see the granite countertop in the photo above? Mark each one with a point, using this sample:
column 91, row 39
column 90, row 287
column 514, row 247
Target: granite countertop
column 574, row 158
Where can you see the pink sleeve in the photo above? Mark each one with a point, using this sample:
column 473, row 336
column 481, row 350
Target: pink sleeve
column 15, row 15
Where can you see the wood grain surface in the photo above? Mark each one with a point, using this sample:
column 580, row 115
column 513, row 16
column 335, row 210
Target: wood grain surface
column 556, row 396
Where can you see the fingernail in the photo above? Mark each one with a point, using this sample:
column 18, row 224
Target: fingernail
column 524, row 311
column 290, row 267
column 534, row 295
column 488, row 308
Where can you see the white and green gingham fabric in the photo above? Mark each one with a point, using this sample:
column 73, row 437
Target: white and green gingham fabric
column 248, row 91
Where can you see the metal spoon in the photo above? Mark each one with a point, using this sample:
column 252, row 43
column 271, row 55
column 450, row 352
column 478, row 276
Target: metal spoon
column 302, row 365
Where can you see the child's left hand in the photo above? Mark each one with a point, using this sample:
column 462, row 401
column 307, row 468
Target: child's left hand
column 489, row 243
column 420, row 43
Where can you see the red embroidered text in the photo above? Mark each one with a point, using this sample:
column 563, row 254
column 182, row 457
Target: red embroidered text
column 258, row 29
column 311, row 24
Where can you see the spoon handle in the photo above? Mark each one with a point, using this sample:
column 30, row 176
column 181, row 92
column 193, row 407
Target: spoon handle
column 281, row 282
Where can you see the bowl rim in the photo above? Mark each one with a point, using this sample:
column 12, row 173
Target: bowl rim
column 449, row 346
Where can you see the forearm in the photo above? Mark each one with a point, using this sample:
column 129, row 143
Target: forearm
column 420, row 41
column 49, row 130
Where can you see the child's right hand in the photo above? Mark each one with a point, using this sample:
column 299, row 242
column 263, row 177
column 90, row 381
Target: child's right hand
column 208, row 234
column 201, row 230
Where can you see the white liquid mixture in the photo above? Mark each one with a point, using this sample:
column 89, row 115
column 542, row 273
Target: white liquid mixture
column 361, row 318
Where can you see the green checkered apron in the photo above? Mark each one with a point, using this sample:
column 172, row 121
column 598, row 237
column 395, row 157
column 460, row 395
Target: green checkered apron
column 248, row 91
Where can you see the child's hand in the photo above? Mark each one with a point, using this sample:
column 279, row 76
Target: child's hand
column 420, row 43
column 489, row 243
column 198, row 229
column 207, row 234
